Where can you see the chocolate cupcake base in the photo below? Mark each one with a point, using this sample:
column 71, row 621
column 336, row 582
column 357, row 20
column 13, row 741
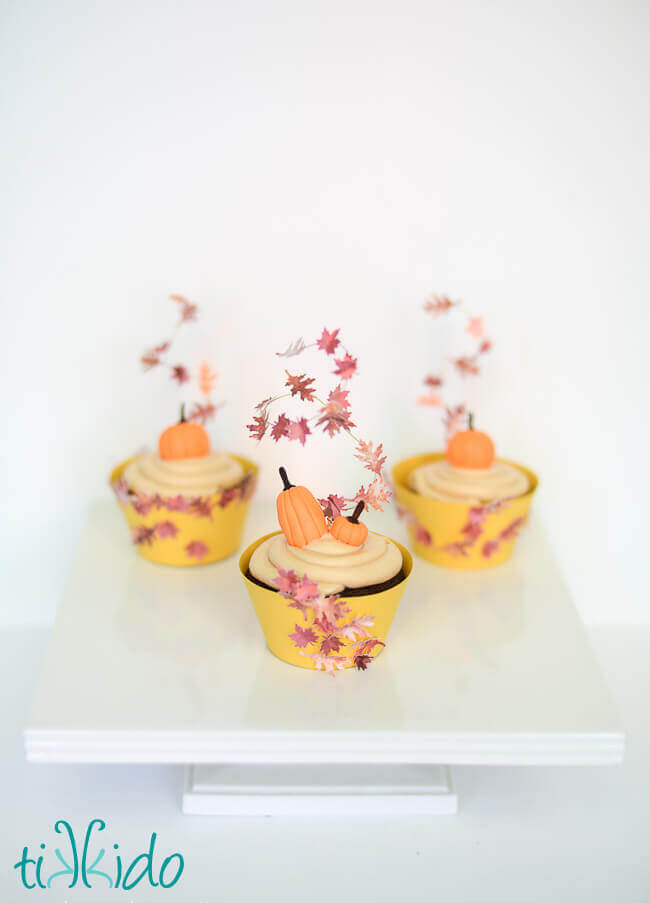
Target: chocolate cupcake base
column 349, row 590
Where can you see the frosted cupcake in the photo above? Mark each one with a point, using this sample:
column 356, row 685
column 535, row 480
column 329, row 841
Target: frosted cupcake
column 325, row 595
column 185, row 503
column 464, row 507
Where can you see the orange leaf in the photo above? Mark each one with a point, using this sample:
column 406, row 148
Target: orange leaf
column 207, row 379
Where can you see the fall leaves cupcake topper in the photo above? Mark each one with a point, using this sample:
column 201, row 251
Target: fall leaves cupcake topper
column 466, row 366
column 327, row 411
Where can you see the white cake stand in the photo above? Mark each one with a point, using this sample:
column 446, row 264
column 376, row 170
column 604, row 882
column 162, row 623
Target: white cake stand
column 161, row 665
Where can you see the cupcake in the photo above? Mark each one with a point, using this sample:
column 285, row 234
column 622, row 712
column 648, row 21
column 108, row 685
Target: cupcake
column 464, row 507
column 325, row 595
column 185, row 503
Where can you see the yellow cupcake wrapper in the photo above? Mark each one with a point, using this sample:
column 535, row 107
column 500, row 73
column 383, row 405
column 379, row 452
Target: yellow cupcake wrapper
column 186, row 531
column 460, row 535
column 325, row 633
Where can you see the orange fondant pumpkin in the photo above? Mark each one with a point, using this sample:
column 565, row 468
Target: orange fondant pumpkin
column 348, row 529
column 183, row 440
column 301, row 517
column 471, row 449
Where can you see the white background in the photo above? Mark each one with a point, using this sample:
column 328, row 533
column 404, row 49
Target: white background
column 294, row 165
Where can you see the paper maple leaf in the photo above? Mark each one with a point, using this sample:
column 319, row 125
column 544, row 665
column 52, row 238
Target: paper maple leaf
column 294, row 349
column 180, row 374
column 259, row 426
column 433, row 382
column 475, row 327
column 332, row 506
column 303, row 636
column 286, row 582
column 328, row 663
column 166, row 529
column 335, row 415
column 454, row 419
column 467, row 366
column 376, row 493
column 372, row 458
column 196, row 549
column 357, row 628
column 299, row 429
column 305, row 590
column 345, row 366
column 280, row 428
column 439, row 304
column 188, row 310
column 150, row 359
column 300, row 385
column 430, row 400
column 207, row 379
column 201, row 413
column 330, row 644
column 328, row 341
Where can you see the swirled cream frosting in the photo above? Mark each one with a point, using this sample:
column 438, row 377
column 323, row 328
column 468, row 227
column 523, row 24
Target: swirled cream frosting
column 332, row 564
column 183, row 476
column 439, row 480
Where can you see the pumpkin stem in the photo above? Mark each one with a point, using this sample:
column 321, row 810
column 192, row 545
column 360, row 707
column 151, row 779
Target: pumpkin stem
column 285, row 479
column 182, row 420
column 471, row 420
column 357, row 511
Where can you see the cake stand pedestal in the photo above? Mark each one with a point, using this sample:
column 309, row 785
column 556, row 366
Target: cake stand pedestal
column 315, row 790
column 152, row 664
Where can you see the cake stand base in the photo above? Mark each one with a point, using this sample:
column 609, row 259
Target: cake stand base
column 314, row 790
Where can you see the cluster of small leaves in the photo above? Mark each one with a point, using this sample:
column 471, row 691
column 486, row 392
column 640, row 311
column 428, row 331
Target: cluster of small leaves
column 331, row 415
column 330, row 641
column 156, row 356
column 198, row 506
column 471, row 531
column 465, row 365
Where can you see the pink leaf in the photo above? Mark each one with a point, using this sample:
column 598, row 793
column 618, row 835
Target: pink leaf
column 345, row 367
column 166, row 529
column 143, row 535
column 176, row 503
column 467, row 366
column 180, row 374
column 299, row 429
column 286, row 582
column 303, row 636
column 197, row 549
column 475, row 327
column 330, row 644
column 332, row 506
column 439, row 304
column 188, row 311
column 376, row 493
column 329, row 663
column 201, row 413
column 328, row 341
column 373, row 459
column 259, row 426
column 280, row 428
column 300, row 385
column 121, row 489
column 430, row 400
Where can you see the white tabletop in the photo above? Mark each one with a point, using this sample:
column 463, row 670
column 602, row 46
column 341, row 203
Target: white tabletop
column 156, row 664
column 539, row 835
